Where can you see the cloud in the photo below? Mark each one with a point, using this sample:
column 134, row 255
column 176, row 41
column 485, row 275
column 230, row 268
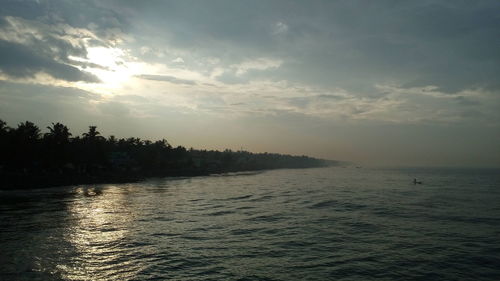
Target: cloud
column 257, row 64
column 42, row 103
column 391, row 104
column 329, row 43
column 280, row 28
column 429, row 104
column 21, row 61
column 29, row 48
column 113, row 108
column 166, row 78
column 178, row 60
column 245, row 71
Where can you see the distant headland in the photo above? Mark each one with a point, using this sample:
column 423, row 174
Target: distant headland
column 32, row 159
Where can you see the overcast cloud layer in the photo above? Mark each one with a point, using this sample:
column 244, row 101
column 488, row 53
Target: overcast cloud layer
column 375, row 82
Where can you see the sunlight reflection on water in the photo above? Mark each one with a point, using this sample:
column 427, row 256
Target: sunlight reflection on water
column 100, row 222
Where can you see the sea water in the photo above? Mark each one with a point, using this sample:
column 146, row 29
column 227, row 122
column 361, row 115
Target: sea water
column 306, row 224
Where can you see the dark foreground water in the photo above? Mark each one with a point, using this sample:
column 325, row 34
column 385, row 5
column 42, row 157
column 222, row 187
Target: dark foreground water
column 311, row 224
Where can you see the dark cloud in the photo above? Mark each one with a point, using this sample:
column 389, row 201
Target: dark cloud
column 21, row 61
column 46, row 92
column 167, row 78
column 331, row 97
column 43, row 36
column 21, row 8
column 466, row 101
column 348, row 44
column 74, row 13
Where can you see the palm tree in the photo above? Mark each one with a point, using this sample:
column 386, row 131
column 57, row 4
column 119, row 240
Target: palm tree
column 3, row 126
column 27, row 132
column 57, row 142
column 58, row 134
column 94, row 147
column 25, row 145
column 92, row 134
column 112, row 140
column 4, row 142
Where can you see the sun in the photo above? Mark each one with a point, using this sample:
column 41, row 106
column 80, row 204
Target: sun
column 112, row 66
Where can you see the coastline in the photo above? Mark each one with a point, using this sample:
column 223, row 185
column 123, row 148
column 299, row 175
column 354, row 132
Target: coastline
column 31, row 159
column 35, row 181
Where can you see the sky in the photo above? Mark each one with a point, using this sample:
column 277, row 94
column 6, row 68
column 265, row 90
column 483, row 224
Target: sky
column 386, row 83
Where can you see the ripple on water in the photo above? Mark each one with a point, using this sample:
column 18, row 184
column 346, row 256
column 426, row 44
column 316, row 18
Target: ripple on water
column 220, row 213
column 317, row 224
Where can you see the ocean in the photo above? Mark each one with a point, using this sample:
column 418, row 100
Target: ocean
column 300, row 224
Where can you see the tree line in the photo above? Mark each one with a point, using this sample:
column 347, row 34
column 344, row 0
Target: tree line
column 30, row 158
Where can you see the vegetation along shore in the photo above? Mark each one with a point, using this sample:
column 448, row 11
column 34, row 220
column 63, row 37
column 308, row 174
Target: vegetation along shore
column 32, row 159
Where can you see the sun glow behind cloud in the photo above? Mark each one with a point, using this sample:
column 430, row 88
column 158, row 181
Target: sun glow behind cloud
column 120, row 72
column 113, row 66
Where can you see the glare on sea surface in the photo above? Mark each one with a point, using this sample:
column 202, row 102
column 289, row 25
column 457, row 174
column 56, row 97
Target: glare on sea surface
column 99, row 224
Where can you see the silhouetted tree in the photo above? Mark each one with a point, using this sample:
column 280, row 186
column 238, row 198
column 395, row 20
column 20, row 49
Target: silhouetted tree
column 27, row 132
column 24, row 141
column 59, row 159
column 93, row 148
column 92, row 134
column 4, row 141
column 56, row 143
column 58, row 134
column 3, row 126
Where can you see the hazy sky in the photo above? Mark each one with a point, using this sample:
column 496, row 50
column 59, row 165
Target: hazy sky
column 374, row 82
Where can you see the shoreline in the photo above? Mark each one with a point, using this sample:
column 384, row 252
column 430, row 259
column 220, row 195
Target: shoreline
column 37, row 181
